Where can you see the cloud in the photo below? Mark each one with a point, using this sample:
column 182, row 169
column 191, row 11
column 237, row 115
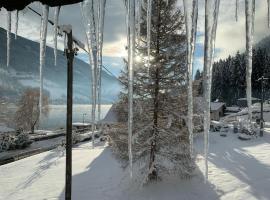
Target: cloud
column 230, row 34
column 114, row 32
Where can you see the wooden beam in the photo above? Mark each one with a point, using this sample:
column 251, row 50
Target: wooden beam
column 21, row 4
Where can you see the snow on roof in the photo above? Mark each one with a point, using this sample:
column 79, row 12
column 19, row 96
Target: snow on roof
column 80, row 124
column 216, row 105
column 111, row 116
column 244, row 99
column 233, row 108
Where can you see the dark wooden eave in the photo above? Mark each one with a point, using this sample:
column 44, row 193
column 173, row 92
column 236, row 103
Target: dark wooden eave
column 21, row 4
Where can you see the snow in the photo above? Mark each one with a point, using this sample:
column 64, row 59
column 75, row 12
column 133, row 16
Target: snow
column 4, row 128
column 233, row 109
column 237, row 170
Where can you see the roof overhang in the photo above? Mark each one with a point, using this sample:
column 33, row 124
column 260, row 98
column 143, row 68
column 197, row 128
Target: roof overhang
column 21, row 4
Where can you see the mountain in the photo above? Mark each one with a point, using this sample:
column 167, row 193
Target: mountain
column 23, row 72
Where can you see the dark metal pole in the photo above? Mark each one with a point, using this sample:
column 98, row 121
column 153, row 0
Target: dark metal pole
column 70, row 57
column 262, row 100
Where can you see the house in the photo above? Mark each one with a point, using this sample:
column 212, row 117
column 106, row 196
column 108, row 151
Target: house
column 242, row 102
column 217, row 110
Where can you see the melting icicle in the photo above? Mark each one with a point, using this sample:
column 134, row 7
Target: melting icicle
column 101, row 15
column 191, row 29
column 249, row 40
column 43, row 31
column 55, row 28
column 8, row 36
column 236, row 9
column 148, row 39
column 16, row 23
column 211, row 18
column 89, row 17
column 131, row 55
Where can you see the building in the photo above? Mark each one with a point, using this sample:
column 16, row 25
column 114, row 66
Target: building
column 217, row 110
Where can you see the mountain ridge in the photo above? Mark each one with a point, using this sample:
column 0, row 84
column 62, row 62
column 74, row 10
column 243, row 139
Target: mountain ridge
column 23, row 72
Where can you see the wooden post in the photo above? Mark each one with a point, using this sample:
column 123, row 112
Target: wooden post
column 70, row 56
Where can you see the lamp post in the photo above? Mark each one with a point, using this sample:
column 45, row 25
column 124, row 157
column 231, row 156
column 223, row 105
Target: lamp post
column 262, row 79
column 84, row 114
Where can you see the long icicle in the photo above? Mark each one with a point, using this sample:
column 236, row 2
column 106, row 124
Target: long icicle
column 8, row 36
column 139, row 15
column 101, row 16
column 88, row 14
column 210, row 32
column 55, row 29
column 236, row 9
column 43, row 36
column 16, row 23
column 191, row 29
column 131, row 55
column 148, row 38
column 249, row 43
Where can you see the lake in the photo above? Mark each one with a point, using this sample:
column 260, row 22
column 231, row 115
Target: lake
column 57, row 115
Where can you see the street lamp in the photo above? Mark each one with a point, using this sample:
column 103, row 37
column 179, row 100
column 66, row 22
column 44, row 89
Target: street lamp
column 262, row 79
column 84, row 114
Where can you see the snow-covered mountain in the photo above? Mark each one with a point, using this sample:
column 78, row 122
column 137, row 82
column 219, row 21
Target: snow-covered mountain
column 23, row 72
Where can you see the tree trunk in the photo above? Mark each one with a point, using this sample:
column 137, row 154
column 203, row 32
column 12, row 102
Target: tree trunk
column 153, row 171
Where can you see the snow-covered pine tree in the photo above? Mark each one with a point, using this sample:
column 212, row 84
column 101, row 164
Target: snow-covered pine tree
column 160, row 136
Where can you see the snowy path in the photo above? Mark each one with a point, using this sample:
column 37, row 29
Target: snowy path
column 237, row 170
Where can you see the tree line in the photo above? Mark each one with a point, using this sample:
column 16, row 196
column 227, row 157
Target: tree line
column 229, row 77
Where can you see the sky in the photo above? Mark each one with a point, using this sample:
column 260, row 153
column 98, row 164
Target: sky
column 230, row 34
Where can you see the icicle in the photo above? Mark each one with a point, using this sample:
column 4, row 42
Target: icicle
column 149, row 13
column 249, row 10
column 191, row 30
column 167, row 2
column 131, row 54
column 55, row 28
column 268, row 12
column 8, row 36
column 16, row 23
column 89, row 17
column 139, row 15
column 101, row 16
column 236, row 9
column 210, row 36
column 43, row 31
column 253, row 15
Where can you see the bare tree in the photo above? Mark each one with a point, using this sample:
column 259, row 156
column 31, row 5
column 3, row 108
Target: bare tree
column 28, row 114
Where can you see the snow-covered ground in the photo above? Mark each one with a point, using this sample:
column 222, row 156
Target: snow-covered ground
column 238, row 170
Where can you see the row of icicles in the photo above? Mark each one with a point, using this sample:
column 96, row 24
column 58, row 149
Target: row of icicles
column 93, row 12
column 191, row 17
column 94, row 25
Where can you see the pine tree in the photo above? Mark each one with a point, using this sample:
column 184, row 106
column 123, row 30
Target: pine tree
column 160, row 145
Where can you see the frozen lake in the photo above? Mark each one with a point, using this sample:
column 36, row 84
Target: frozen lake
column 57, row 115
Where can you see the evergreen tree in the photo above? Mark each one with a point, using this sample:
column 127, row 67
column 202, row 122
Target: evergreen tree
column 160, row 145
column 229, row 82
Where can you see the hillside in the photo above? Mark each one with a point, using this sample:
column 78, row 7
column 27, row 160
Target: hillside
column 24, row 72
